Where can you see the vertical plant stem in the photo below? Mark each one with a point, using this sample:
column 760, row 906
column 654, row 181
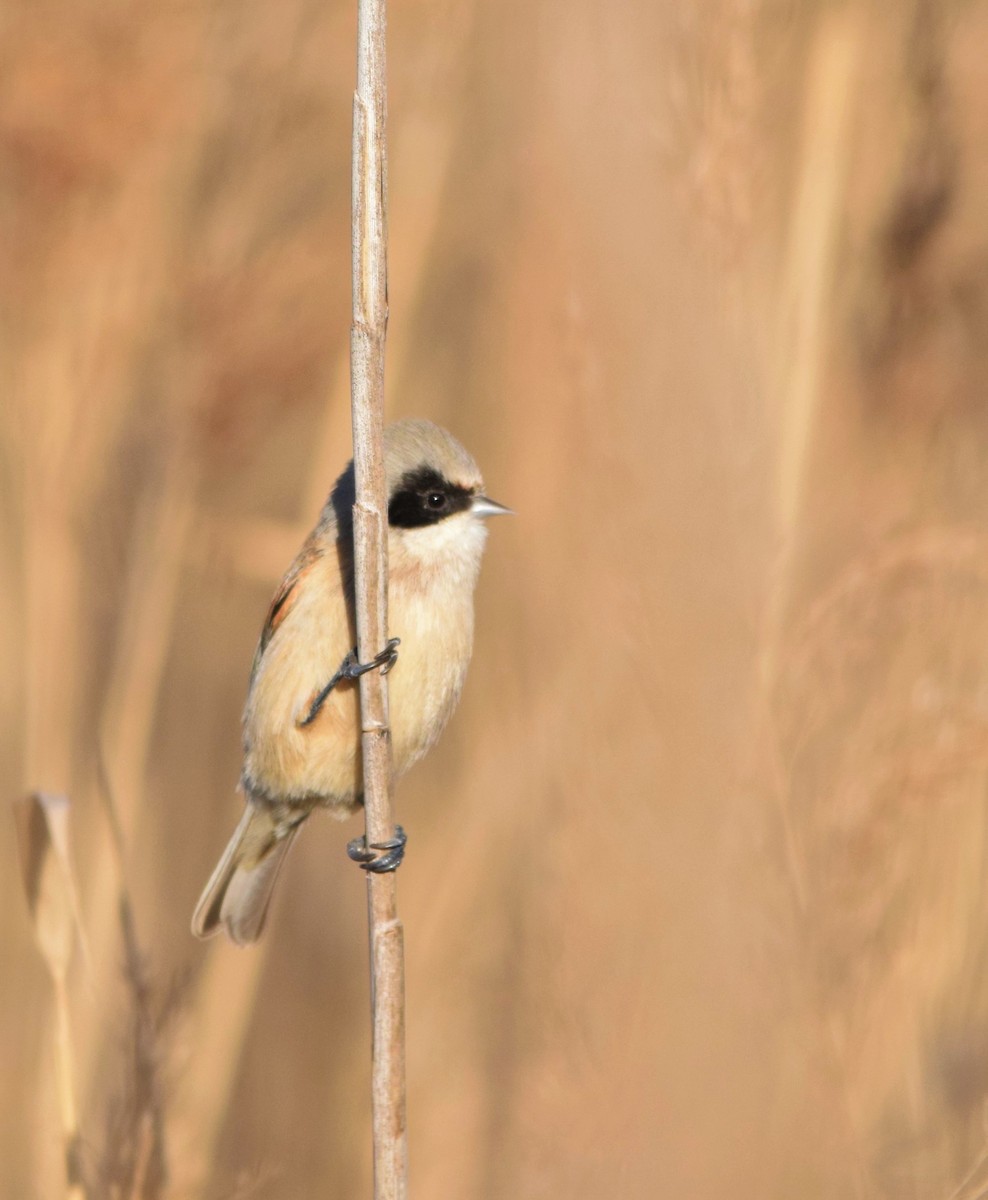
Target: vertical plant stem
column 66, row 1089
column 807, row 297
column 832, row 80
column 367, row 339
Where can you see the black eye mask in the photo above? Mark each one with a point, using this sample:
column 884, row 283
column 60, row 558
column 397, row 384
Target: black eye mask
column 424, row 497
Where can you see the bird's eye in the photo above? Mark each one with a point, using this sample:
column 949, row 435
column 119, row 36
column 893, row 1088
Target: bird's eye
column 435, row 499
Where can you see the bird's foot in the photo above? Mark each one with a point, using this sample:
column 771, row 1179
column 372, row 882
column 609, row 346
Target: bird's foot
column 352, row 668
column 379, row 857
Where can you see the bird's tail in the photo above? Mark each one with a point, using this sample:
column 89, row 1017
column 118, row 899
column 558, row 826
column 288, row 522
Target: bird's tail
column 239, row 890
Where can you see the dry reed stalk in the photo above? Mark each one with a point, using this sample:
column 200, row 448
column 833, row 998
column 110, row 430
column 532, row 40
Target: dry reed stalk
column 136, row 1154
column 809, row 269
column 367, row 340
column 49, row 884
column 807, row 289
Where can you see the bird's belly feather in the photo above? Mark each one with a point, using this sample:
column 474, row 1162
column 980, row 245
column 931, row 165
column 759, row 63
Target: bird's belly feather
column 320, row 762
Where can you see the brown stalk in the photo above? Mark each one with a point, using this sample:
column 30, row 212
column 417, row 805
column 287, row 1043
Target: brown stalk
column 49, row 883
column 367, row 339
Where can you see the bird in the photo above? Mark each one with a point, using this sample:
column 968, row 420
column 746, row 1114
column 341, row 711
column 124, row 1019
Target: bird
column 301, row 721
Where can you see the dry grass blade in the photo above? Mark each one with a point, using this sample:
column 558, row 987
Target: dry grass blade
column 49, row 884
column 43, row 840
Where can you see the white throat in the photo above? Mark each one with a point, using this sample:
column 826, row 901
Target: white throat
column 448, row 552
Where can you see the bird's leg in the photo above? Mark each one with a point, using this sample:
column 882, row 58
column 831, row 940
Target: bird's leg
column 379, row 857
column 352, row 668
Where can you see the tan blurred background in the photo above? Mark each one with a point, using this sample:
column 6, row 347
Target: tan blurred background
column 696, row 900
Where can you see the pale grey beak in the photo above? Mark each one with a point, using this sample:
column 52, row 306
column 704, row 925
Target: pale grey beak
column 484, row 506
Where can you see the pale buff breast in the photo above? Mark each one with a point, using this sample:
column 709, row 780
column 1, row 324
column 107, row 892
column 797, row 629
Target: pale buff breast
column 430, row 596
column 430, row 610
column 322, row 760
column 425, row 685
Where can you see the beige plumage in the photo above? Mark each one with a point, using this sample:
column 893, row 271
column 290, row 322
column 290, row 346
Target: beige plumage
column 303, row 752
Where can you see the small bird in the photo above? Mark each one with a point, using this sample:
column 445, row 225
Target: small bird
column 301, row 725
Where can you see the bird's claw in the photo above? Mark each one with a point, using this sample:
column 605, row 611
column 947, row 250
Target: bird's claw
column 388, row 656
column 352, row 668
column 379, row 857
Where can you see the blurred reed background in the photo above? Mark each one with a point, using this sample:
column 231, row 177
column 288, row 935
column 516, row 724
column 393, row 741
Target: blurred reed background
column 697, row 893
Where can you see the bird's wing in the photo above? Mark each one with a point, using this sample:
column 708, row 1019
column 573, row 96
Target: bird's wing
column 287, row 594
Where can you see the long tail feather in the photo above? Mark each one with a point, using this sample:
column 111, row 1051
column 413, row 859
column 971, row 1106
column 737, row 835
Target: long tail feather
column 237, row 896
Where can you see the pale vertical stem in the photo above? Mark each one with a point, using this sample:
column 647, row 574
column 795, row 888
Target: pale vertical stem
column 807, row 296
column 367, row 338
column 65, row 1074
column 807, row 285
